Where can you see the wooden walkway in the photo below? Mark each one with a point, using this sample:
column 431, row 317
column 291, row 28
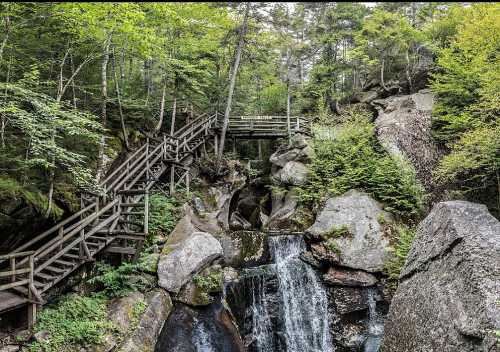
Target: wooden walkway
column 116, row 219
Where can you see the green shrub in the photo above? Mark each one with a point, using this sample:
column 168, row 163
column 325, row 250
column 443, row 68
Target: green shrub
column 353, row 159
column 164, row 212
column 74, row 323
column 332, row 246
column 403, row 241
column 208, row 283
column 119, row 281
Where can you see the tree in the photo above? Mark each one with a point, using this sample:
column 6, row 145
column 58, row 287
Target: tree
column 232, row 80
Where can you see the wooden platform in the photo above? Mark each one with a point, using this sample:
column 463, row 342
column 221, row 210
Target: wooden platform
column 9, row 301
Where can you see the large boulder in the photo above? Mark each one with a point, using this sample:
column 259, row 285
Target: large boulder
column 180, row 261
column 286, row 213
column 353, row 278
column 208, row 329
column 293, row 173
column 244, row 248
column 144, row 336
column 448, row 297
column 367, row 246
column 403, row 127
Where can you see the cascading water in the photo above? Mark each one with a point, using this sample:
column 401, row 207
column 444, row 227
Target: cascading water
column 201, row 338
column 303, row 303
column 375, row 325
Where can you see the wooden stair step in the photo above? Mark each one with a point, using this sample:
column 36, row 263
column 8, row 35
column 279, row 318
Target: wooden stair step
column 132, row 213
column 126, row 205
column 64, row 262
column 46, row 276
column 55, row 269
column 71, row 256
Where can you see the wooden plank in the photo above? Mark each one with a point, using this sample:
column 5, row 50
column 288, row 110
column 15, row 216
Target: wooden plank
column 121, row 250
column 9, row 301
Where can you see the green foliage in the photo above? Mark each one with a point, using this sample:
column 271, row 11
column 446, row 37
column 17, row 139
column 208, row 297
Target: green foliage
column 337, row 231
column 465, row 118
column 76, row 322
column 353, row 160
column 119, row 281
column 403, row 241
column 208, row 283
column 164, row 213
column 332, row 246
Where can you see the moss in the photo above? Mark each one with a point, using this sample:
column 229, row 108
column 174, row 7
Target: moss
column 208, row 283
column 336, row 232
column 332, row 246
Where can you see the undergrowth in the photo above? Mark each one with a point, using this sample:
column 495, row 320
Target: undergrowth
column 403, row 241
column 76, row 322
column 353, row 159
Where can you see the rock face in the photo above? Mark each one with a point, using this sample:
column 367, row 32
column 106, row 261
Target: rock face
column 205, row 329
column 185, row 259
column 367, row 246
column 293, row 173
column 342, row 277
column 144, row 336
column 245, row 248
column 450, row 285
column 403, row 128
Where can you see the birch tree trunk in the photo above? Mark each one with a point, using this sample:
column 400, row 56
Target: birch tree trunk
column 162, row 105
column 118, row 97
column 232, row 81
column 174, row 112
column 104, row 95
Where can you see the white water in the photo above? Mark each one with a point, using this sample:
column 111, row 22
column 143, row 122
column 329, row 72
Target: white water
column 375, row 326
column 304, row 309
column 201, row 338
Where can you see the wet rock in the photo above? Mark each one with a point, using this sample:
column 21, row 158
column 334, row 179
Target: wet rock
column 238, row 222
column 286, row 214
column 447, row 299
column 230, row 275
column 191, row 330
column 367, row 248
column 293, row 173
column 121, row 310
column 195, row 293
column 403, row 127
column 321, row 253
column 244, row 248
column 309, row 258
column 145, row 335
column 180, row 263
column 344, row 277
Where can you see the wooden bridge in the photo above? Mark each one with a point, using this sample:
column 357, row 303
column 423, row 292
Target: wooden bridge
column 115, row 219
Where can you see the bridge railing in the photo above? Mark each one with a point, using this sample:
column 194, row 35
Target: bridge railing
column 266, row 124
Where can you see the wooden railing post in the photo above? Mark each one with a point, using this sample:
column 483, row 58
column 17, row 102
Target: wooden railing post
column 146, row 212
column 31, row 285
column 13, row 269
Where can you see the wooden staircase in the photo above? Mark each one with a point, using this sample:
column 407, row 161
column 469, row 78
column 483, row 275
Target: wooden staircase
column 116, row 218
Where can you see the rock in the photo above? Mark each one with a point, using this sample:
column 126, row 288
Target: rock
column 367, row 248
column 190, row 330
column 121, row 310
column 244, row 248
column 41, row 336
column 230, row 275
column 319, row 252
column 149, row 263
column 198, row 205
column 10, row 348
column 299, row 140
column 194, row 294
column 238, row 222
column 145, row 335
column 403, row 128
column 293, row 173
column 186, row 259
column 284, row 206
column 309, row 258
column 447, row 299
column 368, row 96
column 344, row 277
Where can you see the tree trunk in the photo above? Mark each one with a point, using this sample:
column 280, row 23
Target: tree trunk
column 122, row 119
column 382, row 68
column 288, row 112
column 232, row 81
column 6, row 37
column 4, row 120
column 162, row 105
column 104, row 95
column 174, row 112
column 407, row 71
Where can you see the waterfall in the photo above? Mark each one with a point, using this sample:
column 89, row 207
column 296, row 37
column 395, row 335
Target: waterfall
column 375, row 325
column 303, row 303
column 201, row 338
